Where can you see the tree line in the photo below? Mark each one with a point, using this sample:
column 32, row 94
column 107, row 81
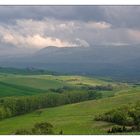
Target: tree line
column 99, row 87
column 13, row 106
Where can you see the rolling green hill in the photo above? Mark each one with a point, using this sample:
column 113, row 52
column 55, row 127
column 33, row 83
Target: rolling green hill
column 32, row 82
column 21, row 85
column 72, row 119
column 17, row 85
column 75, row 118
column 17, row 90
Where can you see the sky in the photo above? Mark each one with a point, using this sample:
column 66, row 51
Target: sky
column 69, row 26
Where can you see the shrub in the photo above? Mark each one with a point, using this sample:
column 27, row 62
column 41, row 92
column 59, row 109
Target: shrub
column 118, row 129
column 43, row 128
column 23, row 132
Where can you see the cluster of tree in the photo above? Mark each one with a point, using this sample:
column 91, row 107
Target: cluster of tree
column 43, row 128
column 62, row 89
column 128, row 115
column 84, row 87
column 13, row 106
column 98, row 87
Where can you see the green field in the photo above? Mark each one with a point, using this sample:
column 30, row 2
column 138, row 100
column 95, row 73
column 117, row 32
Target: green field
column 32, row 81
column 72, row 119
column 18, row 85
column 77, row 118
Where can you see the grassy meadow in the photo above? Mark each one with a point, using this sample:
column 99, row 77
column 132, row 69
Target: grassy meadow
column 75, row 118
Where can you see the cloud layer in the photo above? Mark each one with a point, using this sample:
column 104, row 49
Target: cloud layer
column 69, row 26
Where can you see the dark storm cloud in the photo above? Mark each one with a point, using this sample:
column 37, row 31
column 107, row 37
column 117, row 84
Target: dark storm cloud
column 121, row 16
column 118, row 16
column 59, row 12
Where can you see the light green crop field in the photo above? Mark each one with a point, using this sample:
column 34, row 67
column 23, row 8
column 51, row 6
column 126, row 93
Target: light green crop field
column 21, row 85
column 17, row 90
column 33, row 82
column 73, row 118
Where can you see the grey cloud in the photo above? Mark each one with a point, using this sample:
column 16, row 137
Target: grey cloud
column 59, row 12
column 118, row 16
column 88, row 24
column 123, row 16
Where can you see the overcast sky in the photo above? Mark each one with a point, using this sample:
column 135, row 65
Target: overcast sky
column 69, row 26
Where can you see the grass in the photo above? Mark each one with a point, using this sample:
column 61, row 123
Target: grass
column 74, row 80
column 72, row 119
column 20, row 85
column 7, row 90
column 34, row 82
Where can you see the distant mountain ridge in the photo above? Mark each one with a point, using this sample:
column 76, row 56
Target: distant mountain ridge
column 94, row 60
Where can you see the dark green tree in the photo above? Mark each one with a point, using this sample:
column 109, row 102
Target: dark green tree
column 43, row 128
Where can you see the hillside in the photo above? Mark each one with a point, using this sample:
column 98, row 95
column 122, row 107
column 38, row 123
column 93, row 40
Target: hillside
column 27, row 84
column 56, row 91
column 72, row 119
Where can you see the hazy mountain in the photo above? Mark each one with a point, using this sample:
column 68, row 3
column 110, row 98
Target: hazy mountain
column 97, row 60
column 96, row 54
column 8, row 52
